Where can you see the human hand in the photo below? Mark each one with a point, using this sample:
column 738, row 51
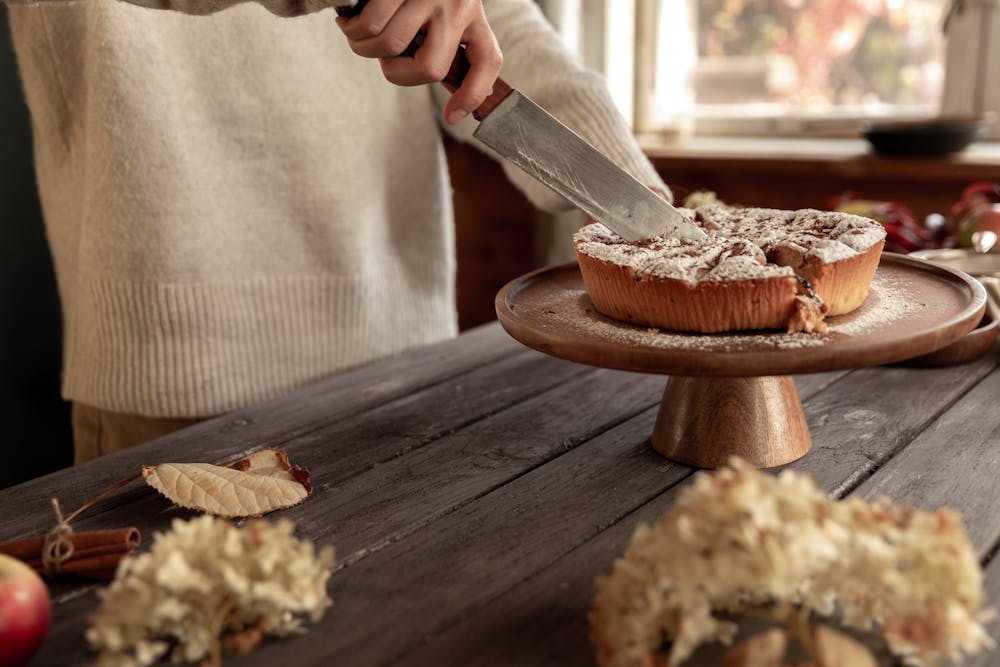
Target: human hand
column 385, row 29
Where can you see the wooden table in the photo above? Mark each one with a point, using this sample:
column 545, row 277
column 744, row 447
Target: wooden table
column 474, row 489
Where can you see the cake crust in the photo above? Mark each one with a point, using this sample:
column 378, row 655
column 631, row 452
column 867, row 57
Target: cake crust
column 758, row 269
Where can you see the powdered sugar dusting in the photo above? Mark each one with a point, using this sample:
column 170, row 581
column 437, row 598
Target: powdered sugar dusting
column 888, row 300
column 741, row 244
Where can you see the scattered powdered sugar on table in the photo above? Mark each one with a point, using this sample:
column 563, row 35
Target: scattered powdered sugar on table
column 888, row 300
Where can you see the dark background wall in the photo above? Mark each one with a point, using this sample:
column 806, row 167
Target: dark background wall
column 35, row 434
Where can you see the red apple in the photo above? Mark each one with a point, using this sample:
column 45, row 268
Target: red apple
column 25, row 611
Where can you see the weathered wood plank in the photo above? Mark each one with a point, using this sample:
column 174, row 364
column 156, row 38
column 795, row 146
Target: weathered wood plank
column 352, row 441
column 299, row 412
column 342, row 450
column 449, row 593
column 954, row 463
column 400, row 496
column 352, row 445
column 484, row 541
column 543, row 620
column 382, row 505
column 813, row 383
column 865, row 417
column 481, row 550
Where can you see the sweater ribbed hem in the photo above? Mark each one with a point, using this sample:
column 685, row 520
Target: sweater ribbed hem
column 190, row 350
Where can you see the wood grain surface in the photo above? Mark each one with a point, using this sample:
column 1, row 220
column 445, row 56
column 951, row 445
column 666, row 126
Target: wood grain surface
column 474, row 489
column 704, row 422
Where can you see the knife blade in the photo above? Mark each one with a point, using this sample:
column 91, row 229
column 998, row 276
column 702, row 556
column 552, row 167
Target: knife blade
column 527, row 135
column 521, row 131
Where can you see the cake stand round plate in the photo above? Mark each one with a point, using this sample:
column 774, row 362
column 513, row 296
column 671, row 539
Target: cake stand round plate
column 731, row 393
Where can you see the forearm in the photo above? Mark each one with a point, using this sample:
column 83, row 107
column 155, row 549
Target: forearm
column 279, row 7
column 538, row 64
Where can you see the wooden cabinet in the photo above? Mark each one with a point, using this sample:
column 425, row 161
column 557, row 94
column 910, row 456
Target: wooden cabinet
column 786, row 173
column 494, row 232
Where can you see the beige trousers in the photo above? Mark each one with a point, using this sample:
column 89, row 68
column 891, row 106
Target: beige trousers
column 98, row 432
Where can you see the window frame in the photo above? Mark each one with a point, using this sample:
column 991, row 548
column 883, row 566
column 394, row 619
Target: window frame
column 595, row 29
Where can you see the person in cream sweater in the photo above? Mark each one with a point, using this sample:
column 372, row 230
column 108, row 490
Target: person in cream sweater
column 237, row 200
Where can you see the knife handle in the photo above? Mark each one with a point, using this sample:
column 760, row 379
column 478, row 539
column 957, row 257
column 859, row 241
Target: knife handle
column 456, row 73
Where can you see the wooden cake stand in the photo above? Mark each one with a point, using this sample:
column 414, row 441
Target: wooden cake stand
column 732, row 394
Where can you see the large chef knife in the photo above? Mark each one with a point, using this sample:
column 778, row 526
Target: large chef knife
column 527, row 135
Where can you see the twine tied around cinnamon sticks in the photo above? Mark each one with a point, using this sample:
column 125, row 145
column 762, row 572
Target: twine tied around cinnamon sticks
column 93, row 554
column 58, row 545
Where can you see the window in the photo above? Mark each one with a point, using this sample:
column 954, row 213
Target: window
column 797, row 67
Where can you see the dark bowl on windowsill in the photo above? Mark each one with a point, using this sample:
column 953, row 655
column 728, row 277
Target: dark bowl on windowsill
column 922, row 138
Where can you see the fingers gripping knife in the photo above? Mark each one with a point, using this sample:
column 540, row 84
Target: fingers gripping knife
column 527, row 135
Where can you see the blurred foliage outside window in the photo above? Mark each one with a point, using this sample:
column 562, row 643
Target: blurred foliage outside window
column 741, row 59
column 822, row 53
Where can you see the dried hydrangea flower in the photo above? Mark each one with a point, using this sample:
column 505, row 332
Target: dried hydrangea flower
column 205, row 579
column 739, row 537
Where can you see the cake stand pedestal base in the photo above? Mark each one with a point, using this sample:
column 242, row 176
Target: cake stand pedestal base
column 703, row 421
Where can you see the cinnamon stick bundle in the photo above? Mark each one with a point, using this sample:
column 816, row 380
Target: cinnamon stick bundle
column 95, row 554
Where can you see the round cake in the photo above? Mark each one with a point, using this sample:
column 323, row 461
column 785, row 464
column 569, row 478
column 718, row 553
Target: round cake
column 758, row 269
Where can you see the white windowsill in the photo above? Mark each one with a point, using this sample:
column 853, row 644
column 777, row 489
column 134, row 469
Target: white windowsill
column 984, row 152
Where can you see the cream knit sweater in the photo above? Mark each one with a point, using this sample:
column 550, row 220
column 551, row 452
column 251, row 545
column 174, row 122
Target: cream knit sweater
column 237, row 204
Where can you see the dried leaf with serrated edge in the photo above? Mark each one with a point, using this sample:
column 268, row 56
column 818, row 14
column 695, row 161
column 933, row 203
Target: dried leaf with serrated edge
column 260, row 483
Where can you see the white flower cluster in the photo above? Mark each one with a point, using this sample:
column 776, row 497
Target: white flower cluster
column 739, row 537
column 202, row 580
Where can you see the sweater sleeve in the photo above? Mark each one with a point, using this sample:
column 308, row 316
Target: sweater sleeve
column 279, row 7
column 537, row 63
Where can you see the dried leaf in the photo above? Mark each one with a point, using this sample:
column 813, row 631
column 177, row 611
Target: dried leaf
column 261, row 483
